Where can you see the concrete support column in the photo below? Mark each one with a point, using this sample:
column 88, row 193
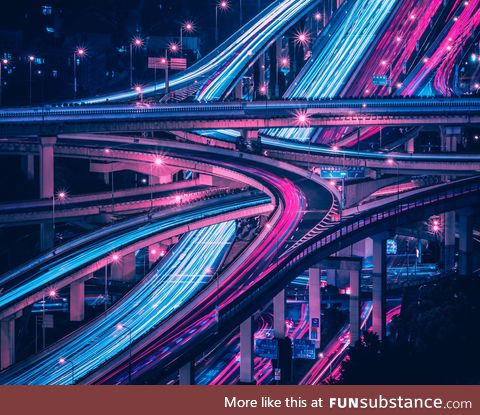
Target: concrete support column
column 449, row 241
column 28, row 166
column 186, row 374
column 246, row 351
column 261, row 69
column 410, row 146
column 77, row 301
column 354, row 306
column 106, row 178
column 47, row 187
column 315, row 305
column 250, row 135
column 278, row 65
column 239, row 90
column 379, row 285
column 279, row 306
column 124, row 269
column 465, row 245
column 7, row 342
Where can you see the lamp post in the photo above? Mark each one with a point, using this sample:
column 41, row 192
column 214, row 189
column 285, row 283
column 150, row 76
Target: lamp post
column 78, row 53
column 138, row 43
column 3, row 62
column 115, row 259
column 121, row 327
column 222, row 5
column 64, row 361
column 61, row 196
column 173, row 48
column 52, row 294
column 187, row 27
column 139, row 91
column 30, row 61
column 158, row 161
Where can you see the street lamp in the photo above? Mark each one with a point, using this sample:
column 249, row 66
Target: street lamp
column 173, row 47
column 115, row 259
column 187, row 27
column 3, row 62
column 30, row 61
column 221, row 5
column 78, row 53
column 136, row 42
column 157, row 161
column 121, row 327
column 318, row 17
column 52, row 294
column 61, row 196
column 63, row 361
column 139, row 91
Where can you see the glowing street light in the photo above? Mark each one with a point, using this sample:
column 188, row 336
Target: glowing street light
column 78, row 53
column 173, row 47
column 31, row 59
column 136, row 42
column 63, row 361
column 302, row 118
column 187, row 27
column 61, row 197
column 121, row 327
column 222, row 5
column 3, row 63
column 139, row 90
column 302, row 37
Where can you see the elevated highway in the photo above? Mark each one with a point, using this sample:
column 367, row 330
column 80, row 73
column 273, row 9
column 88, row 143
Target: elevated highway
column 161, row 349
column 247, row 115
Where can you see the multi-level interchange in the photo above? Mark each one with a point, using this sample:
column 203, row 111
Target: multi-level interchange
column 299, row 194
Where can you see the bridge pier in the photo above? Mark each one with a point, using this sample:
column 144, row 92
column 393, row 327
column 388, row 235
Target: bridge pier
column 449, row 139
column 47, row 184
column 279, row 306
column 186, row 374
column 7, row 340
column 379, row 285
column 410, row 146
column 275, row 70
column 465, row 246
column 315, row 305
column 125, row 269
column 77, row 301
column 261, row 70
column 246, row 352
column 238, row 91
column 448, row 241
column 354, row 306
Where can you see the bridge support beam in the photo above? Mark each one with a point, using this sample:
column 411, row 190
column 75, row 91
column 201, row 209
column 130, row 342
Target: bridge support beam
column 449, row 241
column 279, row 306
column 250, row 135
column 379, row 285
column 239, row 90
column 47, row 237
column 315, row 305
column 125, row 269
column 354, row 308
column 410, row 146
column 7, row 340
column 77, row 301
column 261, row 70
column 186, row 374
column 246, row 352
column 465, row 246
